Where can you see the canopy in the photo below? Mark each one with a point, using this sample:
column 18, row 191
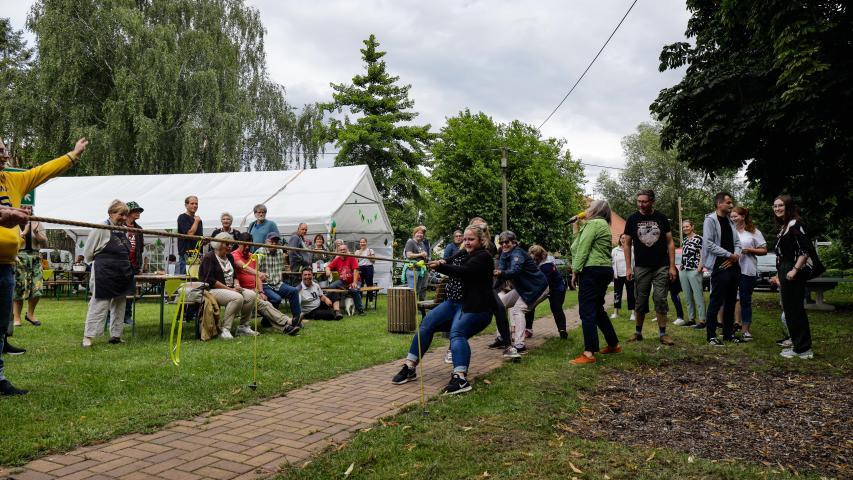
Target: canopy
column 344, row 196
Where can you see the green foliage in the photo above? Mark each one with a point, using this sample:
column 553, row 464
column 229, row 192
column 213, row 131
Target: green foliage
column 649, row 166
column 15, row 64
column 382, row 137
column 543, row 187
column 159, row 87
column 768, row 85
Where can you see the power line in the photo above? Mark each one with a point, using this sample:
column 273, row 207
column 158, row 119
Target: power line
column 588, row 66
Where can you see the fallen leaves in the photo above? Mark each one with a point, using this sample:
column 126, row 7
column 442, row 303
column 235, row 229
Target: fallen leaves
column 349, row 470
column 574, row 468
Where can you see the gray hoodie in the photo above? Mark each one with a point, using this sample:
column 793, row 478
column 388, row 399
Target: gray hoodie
column 711, row 248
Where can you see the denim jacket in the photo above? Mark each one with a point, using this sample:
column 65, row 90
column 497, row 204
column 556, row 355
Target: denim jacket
column 711, row 248
column 518, row 266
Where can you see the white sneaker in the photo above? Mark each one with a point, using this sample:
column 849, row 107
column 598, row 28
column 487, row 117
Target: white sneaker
column 246, row 330
column 448, row 357
column 226, row 335
column 679, row 322
column 633, row 316
column 790, row 353
column 614, row 315
column 87, row 342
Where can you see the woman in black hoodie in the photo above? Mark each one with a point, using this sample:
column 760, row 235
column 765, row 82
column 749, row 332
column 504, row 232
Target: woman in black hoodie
column 475, row 272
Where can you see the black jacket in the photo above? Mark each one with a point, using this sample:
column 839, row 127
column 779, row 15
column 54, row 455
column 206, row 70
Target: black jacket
column 210, row 271
column 476, row 274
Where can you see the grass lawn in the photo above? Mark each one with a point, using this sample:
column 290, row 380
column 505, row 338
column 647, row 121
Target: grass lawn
column 518, row 420
column 80, row 396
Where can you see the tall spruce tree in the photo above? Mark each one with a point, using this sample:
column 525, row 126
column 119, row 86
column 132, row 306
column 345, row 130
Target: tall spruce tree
column 381, row 136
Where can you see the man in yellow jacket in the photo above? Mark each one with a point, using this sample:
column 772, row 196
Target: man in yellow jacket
column 13, row 186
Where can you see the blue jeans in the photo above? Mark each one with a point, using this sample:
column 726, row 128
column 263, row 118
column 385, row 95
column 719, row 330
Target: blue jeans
column 355, row 294
column 745, row 288
column 182, row 264
column 284, row 291
column 7, row 289
column 592, row 288
column 449, row 317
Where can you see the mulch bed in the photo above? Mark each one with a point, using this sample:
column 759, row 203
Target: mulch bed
column 799, row 422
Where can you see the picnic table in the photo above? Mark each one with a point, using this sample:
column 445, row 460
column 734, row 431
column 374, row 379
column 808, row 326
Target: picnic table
column 819, row 286
column 362, row 290
column 56, row 279
column 158, row 282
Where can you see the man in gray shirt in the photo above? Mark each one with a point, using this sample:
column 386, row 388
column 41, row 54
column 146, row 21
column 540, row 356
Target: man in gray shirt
column 298, row 260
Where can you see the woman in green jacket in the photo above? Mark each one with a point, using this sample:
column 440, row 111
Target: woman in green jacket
column 593, row 271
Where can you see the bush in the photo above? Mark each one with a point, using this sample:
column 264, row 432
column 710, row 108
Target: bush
column 848, row 272
column 832, row 273
column 836, row 257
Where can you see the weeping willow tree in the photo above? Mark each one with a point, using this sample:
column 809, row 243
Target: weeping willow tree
column 163, row 86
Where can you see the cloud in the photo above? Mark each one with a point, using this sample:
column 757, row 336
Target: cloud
column 509, row 59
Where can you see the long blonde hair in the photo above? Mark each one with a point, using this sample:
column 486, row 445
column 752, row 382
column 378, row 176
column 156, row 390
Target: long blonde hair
column 480, row 232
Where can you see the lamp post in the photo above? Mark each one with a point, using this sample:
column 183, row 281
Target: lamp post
column 503, row 189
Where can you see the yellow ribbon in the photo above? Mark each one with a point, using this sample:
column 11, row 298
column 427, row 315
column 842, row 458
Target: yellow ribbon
column 177, row 330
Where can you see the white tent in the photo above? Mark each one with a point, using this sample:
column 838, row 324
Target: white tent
column 346, row 196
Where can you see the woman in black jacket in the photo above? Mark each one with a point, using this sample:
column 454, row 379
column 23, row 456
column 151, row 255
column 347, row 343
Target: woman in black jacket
column 793, row 247
column 475, row 272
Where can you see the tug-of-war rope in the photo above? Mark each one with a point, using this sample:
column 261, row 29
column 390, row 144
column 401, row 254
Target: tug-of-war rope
column 176, row 331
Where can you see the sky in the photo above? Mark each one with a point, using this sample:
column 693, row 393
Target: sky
column 511, row 60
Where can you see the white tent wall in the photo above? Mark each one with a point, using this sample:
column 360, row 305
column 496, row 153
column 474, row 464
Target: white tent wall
column 345, row 196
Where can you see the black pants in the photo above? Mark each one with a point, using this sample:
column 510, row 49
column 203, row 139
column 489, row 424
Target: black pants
column 366, row 274
column 618, row 283
column 795, row 311
column 323, row 312
column 724, row 285
column 501, row 321
column 592, row 287
column 555, row 301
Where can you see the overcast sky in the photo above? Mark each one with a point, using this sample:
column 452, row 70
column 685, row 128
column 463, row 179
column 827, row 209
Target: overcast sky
column 509, row 59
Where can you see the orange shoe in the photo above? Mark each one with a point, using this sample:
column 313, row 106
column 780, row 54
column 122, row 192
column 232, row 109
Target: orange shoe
column 582, row 360
column 609, row 349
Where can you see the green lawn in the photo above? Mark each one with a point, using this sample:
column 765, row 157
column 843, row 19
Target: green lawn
column 513, row 425
column 79, row 396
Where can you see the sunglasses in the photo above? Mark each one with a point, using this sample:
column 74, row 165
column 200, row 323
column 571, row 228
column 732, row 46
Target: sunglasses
column 506, row 242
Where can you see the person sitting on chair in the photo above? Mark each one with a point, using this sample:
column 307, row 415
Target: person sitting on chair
column 347, row 268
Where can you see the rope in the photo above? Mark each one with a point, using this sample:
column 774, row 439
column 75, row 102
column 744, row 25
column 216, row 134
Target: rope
column 257, row 258
column 202, row 239
column 178, row 319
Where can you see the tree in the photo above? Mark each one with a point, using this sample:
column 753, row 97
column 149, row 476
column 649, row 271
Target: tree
column 159, row 87
column 649, row 166
column 769, row 85
column 543, row 187
column 383, row 136
column 15, row 63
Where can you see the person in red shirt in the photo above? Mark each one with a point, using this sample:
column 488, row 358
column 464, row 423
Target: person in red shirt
column 247, row 266
column 348, row 278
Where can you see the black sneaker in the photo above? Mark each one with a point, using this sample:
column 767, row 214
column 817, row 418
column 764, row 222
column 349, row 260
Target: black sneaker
column 7, row 388
column 338, row 315
column 116, row 340
column 361, row 313
column 497, row 344
column 406, row 375
column 456, row 385
column 689, row 323
column 715, row 342
column 564, row 335
column 699, row 326
column 733, row 340
column 292, row 330
column 9, row 349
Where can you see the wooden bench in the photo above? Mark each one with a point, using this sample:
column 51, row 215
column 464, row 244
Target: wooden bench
column 440, row 295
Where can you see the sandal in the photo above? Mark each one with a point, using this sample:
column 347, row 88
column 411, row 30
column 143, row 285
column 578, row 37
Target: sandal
column 35, row 323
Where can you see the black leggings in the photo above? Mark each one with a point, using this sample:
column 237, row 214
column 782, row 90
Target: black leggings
column 555, row 301
column 618, row 283
column 501, row 319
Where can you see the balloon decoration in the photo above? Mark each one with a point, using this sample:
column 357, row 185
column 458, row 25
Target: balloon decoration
column 333, row 233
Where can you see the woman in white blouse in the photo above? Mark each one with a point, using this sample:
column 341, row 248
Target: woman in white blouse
column 620, row 280
column 754, row 245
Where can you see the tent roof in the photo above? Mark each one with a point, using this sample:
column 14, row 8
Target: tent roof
column 346, row 195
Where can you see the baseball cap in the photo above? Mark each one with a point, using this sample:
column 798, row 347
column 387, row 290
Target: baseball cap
column 131, row 206
column 272, row 235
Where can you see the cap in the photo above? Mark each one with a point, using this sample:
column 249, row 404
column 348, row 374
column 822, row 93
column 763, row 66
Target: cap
column 131, row 206
column 272, row 235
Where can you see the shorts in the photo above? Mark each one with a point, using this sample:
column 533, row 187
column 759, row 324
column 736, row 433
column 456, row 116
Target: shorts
column 28, row 276
column 644, row 279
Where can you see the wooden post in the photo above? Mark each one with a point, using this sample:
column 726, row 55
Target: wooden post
column 680, row 230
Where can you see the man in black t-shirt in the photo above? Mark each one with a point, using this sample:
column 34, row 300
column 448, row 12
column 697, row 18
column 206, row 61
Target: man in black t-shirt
column 721, row 251
column 189, row 223
column 653, row 265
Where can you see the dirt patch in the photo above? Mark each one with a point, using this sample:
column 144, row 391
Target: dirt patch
column 800, row 421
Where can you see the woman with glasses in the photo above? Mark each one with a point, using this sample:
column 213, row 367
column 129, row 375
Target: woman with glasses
column 454, row 245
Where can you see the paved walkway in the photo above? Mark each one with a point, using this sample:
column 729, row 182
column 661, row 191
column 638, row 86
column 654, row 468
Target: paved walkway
column 254, row 441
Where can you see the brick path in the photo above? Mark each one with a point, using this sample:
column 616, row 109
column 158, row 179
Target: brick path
column 254, row 441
